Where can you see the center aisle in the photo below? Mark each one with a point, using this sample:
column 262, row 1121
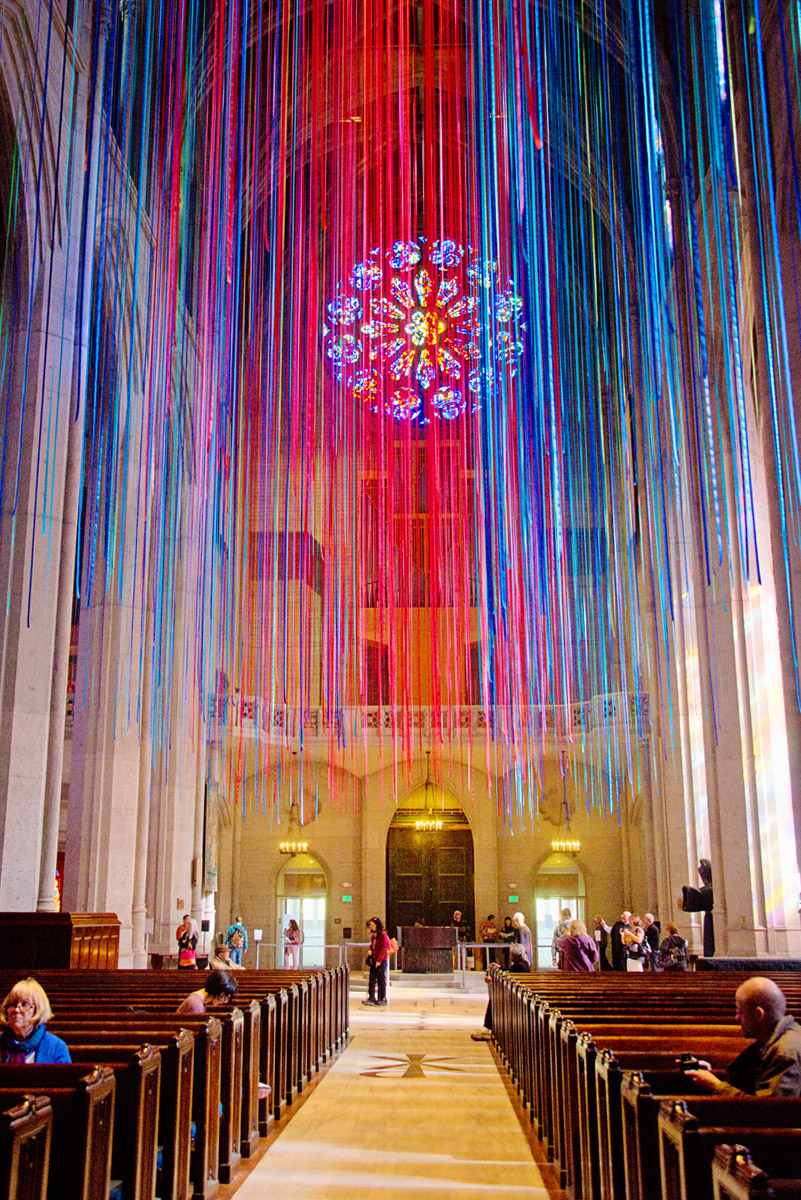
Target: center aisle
column 412, row 1108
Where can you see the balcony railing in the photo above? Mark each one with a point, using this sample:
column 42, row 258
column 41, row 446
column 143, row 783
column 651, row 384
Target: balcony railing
column 372, row 723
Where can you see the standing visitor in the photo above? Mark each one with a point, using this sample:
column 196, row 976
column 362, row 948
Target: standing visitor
column 186, row 936
column 616, row 941
column 559, row 932
column 673, row 955
column 577, row 951
column 602, row 932
column 523, row 935
column 292, row 940
column 635, row 945
column 652, row 932
column 376, row 957
column 488, row 932
column 236, row 939
column 506, row 934
column 702, row 899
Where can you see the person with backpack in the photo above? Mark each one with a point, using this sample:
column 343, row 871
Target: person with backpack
column 673, row 954
column 236, row 939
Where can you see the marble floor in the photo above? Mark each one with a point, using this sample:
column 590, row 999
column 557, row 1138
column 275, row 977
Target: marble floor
column 412, row 1108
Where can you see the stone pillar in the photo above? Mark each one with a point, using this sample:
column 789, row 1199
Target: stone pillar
column 40, row 505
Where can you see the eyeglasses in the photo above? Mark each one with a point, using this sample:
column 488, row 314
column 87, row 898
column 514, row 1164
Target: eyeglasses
column 23, row 1005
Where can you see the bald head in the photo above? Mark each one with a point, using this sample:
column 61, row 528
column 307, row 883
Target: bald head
column 760, row 1005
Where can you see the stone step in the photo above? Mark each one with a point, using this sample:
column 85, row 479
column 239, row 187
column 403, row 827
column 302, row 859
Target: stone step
column 358, row 982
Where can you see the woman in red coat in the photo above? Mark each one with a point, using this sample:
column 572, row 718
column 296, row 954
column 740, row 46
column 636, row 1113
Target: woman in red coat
column 376, row 958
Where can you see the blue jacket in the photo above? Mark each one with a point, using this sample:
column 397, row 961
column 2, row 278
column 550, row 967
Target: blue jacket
column 46, row 1046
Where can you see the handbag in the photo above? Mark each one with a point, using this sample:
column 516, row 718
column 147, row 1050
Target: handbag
column 187, row 958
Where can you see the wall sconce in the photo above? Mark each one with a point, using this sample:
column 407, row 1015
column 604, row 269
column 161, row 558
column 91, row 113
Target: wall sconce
column 566, row 847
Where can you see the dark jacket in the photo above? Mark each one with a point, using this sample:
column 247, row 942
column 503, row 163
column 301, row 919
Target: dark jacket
column 673, row 955
column 618, row 950
column 771, row 1068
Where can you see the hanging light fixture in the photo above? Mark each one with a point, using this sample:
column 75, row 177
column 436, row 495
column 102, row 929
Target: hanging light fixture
column 292, row 845
column 430, row 823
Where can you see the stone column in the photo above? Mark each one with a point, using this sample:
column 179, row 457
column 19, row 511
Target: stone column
column 40, row 507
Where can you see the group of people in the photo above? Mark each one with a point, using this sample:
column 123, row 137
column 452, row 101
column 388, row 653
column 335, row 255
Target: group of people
column 227, row 953
column 636, row 943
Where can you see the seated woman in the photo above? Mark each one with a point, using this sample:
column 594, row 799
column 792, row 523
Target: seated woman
column 23, row 1036
column 217, row 991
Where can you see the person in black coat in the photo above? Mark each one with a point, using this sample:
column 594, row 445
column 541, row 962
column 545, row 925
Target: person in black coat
column 652, row 936
column 702, row 899
column 618, row 950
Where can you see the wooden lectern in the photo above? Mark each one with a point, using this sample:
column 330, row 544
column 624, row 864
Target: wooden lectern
column 427, row 949
column 35, row 941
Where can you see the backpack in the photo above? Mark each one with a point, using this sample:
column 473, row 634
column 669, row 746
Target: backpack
column 673, row 957
column 237, row 939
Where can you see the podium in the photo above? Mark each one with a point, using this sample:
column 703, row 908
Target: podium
column 427, row 949
column 35, row 941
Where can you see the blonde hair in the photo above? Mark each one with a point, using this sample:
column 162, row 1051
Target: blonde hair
column 576, row 927
column 28, row 989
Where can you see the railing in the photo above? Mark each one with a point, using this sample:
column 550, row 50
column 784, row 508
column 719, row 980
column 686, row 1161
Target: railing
column 250, row 717
column 462, row 955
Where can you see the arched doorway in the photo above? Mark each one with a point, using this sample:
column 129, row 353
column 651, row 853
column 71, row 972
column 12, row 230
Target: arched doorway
column 429, row 861
column 302, row 893
column 559, row 884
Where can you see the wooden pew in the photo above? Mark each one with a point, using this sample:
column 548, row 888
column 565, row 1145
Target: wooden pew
column 229, row 1085
column 135, row 1137
column 204, row 1167
column 556, row 1051
column 294, row 1020
column 82, row 1132
column 572, row 1086
column 175, row 1103
column 25, row 1133
column 687, row 1140
column 736, row 1177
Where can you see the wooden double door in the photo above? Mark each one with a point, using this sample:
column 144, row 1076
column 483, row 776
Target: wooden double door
column 429, row 874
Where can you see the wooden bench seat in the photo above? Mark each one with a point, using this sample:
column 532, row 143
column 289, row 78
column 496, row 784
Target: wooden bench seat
column 687, row 1141
column 25, row 1133
column 175, row 1102
column 231, row 1051
column 82, row 1133
column 205, row 1111
column 290, row 1023
column 135, row 1137
column 735, row 1176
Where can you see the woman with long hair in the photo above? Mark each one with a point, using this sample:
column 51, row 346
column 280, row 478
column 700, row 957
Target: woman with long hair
column 292, row 939
column 376, row 958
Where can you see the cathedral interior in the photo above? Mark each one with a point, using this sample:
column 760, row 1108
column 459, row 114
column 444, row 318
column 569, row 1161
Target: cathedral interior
column 401, row 488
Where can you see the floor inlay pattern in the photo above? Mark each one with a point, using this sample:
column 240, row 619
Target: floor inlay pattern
column 412, row 1108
